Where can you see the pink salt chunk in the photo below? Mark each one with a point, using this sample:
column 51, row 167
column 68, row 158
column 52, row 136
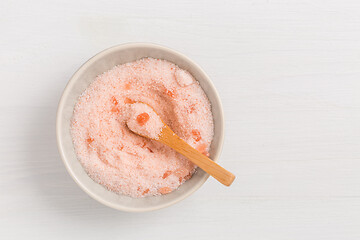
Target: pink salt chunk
column 166, row 174
column 165, row 190
column 89, row 140
column 183, row 78
column 196, row 135
column 202, row 148
column 127, row 86
column 128, row 101
column 114, row 108
column 142, row 118
column 114, row 101
column 170, row 93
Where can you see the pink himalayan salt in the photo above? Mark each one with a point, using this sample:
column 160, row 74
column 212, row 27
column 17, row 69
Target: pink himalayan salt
column 122, row 161
column 144, row 121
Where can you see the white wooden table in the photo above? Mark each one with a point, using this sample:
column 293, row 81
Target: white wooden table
column 288, row 73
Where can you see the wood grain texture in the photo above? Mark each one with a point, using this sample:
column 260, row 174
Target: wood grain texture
column 169, row 138
column 287, row 72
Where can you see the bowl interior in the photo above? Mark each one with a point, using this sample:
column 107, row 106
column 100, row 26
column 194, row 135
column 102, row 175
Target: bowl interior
column 78, row 83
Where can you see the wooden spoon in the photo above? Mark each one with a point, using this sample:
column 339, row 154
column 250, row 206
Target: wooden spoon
column 169, row 138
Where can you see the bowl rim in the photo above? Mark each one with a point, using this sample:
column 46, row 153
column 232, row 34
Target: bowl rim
column 60, row 109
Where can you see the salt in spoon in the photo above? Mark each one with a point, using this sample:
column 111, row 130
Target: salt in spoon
column 138, row 122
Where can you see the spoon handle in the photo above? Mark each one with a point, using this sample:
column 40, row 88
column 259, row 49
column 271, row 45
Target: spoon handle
column 169, row 138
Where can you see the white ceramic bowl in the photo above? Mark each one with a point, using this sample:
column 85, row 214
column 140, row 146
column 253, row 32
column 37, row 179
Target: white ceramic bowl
column 100, row 63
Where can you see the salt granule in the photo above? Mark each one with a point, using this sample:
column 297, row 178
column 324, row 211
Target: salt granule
column 123, row 161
